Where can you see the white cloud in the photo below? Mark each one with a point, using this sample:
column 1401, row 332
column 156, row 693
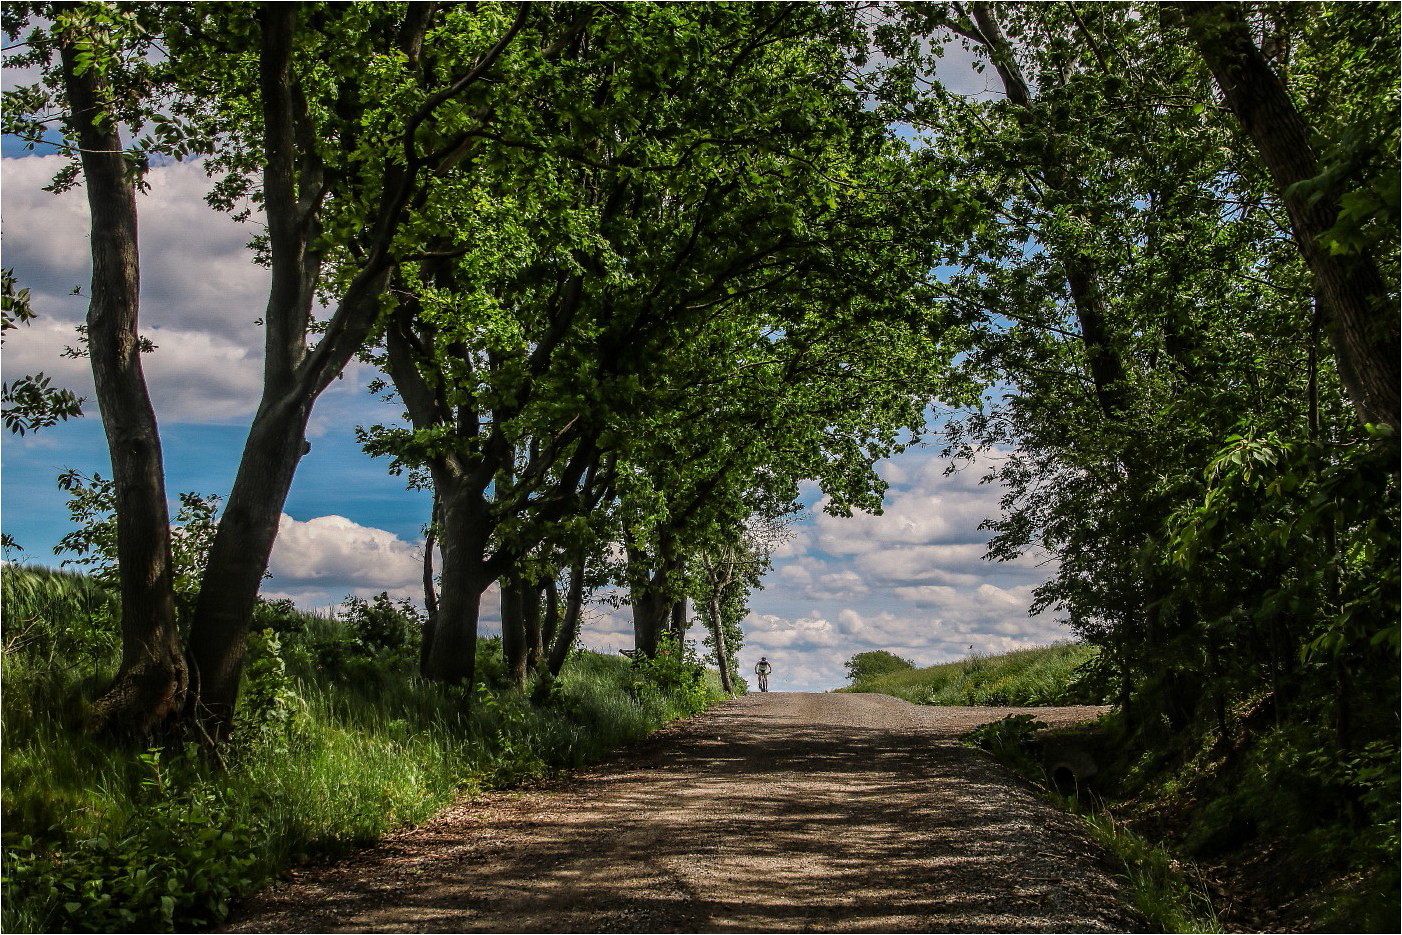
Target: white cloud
column 333, row 549
column 201, row 293
column 912, row 580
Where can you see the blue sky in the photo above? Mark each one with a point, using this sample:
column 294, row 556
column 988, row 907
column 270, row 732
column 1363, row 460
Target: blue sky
column 911, row 581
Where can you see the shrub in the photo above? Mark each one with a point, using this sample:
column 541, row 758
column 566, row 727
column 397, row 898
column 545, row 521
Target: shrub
column 875, row 663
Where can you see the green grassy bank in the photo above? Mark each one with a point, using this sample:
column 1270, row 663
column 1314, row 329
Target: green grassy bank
column 338, row 743
column 1046, row 675
column 1224, row 836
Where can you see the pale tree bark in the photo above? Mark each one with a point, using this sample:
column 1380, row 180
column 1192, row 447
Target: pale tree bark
column 430, row 590
column 153, row 684
column 1360, row 319
column 719, row 574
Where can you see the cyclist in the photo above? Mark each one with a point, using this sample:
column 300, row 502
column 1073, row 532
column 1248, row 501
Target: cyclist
column 762, row 669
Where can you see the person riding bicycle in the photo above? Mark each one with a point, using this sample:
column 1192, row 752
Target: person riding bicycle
column 762, row 669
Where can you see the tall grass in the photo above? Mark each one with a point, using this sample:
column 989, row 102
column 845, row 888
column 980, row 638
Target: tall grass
column 1047, row 675
column 339, row 745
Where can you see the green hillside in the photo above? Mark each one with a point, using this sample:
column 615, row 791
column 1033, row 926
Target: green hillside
column 1046, row 675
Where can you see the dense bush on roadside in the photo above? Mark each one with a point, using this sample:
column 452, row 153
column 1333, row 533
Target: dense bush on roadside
column 339, row 742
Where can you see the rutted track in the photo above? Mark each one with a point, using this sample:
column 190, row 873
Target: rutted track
column 777, row 812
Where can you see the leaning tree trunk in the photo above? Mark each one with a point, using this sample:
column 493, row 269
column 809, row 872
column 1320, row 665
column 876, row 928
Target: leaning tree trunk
column 568, row 630
column 239, row 557
column 718, row 640
column 294, row 375
column 152, row 686
column 1360, row 319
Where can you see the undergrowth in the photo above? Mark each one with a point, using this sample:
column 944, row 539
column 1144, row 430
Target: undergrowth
column 339, row 742
column 1162, row 888
column 1256, row 828
column 1046, row 675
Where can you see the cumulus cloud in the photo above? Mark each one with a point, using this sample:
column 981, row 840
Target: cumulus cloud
column 332, row 548
column 912, row 580
column 201, row 293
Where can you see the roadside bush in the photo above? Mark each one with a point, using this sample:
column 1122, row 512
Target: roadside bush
column 675, row 675
column 875, row 663
column 1009, row 741
column 382, row 625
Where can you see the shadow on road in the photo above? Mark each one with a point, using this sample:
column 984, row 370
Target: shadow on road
column 755, row 817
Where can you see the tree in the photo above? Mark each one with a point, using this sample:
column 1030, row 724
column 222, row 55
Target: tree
column 727, row 202
column 1359, row 316
column 875, row 663
column 347, row 117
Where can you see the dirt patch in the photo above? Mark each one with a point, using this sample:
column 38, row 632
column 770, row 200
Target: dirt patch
column 777, row 812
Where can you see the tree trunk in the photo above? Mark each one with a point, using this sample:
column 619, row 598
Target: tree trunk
column 153, row 684
column 239, row 557
column 568, row 630
column 1361, row 322
column 718, row 640
column 453, row 656
column 513, row 628
column 530, row 619
column 679, row 622
column 294, row 375
column 650, row 611
column 430, row 593
column 550, row 619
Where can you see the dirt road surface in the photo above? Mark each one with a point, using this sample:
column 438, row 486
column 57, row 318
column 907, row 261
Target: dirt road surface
column 774, row 813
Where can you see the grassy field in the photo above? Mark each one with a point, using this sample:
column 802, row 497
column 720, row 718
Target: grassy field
column 1047, row 675
column 339, row 743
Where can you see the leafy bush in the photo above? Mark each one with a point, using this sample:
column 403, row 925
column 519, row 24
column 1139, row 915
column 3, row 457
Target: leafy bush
column 183, row 855
column 875, row 663
column 382, row 625
column 674, row 674
column 1009, row 740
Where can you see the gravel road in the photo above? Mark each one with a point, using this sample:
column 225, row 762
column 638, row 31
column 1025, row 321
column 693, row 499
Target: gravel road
column 774, row 813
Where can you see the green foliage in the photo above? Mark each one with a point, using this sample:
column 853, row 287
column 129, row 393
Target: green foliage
column 674, row 675
column 1048, row 675
column 92, row 505
column 875, row 663
column 1164, row 889
column 382, row 625
column 1008, row 740
column 186, row 857
column 30, row 402
column 327, row 756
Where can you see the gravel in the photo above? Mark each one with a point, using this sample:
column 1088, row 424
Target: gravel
column 773, row 813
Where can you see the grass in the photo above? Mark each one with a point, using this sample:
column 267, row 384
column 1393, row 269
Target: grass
column 1163, row 888
column 339, row 744
column 1047, row 675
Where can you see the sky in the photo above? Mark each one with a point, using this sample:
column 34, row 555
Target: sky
column 911, row 580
